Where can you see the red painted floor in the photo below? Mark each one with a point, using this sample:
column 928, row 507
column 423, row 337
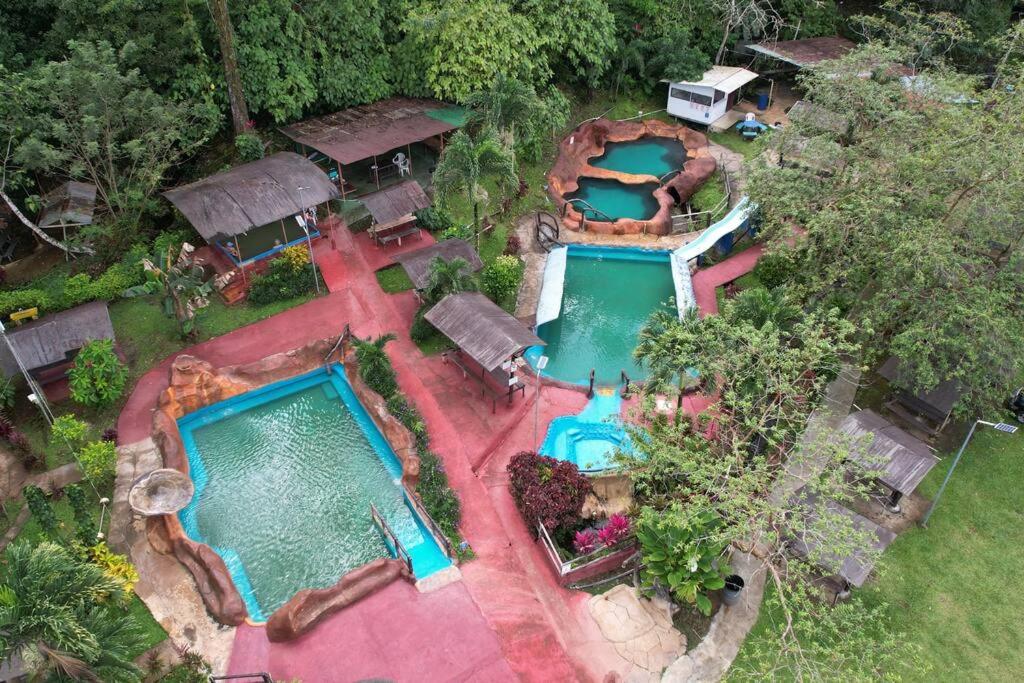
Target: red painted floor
column 705, row 281
column 508, row 619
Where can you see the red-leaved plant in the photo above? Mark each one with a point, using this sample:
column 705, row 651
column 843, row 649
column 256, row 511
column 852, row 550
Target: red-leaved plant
column 585, row 541
column 617, row 529
column 546, row 490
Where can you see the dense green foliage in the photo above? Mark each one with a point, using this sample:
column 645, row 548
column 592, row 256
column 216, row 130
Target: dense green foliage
column 98, row 460
column 500, row 278
column 40, row 508
column 98, row 376
column 288, row 276
column 375, row 366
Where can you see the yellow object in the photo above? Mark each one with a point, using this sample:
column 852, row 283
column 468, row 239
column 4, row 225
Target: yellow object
column 19, row 317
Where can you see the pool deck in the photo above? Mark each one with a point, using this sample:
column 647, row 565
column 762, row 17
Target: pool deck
column 508, row 619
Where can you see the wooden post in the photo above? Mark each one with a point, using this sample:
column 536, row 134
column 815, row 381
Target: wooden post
column 408, row 151
column 238, row 255
column 376, row 172
column 284, row 234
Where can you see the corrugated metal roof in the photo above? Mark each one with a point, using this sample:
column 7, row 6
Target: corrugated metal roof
column 254, row 194
column 806, row 51
column 49, row 340
column 396, row 201
column 724, row 78
column 900, row 460
column 417, row 263
column 481, row 328
column 369, row 130
column 71, row 203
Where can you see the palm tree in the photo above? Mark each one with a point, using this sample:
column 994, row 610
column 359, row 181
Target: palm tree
column 447, row 277
column 375, row 366
column 668, row 347
column 760, row 306
column 465, row 163
column 507, row 105
column 65, row 617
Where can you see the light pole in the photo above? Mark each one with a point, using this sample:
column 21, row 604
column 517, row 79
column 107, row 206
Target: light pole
column 36, row 395
column 542, row 363
column 309, row 240
column 1001, row 426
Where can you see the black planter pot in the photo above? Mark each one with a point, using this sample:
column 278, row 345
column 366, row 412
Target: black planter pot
column 733, row 589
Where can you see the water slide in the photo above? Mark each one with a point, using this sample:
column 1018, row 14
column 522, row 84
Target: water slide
column 680, row 258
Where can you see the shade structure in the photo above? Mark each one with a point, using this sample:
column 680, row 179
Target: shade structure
column 480, row 327
column 417, row 263
column 396, row 201
column 252, row 195
column 69, row 204
column 53, row 338
column 726, row 79
column 937, row 402
column 368, row 130
column 805, row 51
column 900, row 460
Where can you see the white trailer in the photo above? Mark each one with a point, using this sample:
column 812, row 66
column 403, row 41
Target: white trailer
column 707, row 100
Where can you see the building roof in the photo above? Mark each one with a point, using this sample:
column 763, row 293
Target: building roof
column 49, row 340
column 806, row 51
column 820, row 518
column 368, row 130
column 481, row 328
column 396, row 201
column 939, row 400
column 70, row 203
column 724, row 78
column 254, row 194
column 417, row 263
column 900, row 460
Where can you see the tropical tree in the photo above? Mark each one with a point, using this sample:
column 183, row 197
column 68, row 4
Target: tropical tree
column 181, row 286
column 65, row 617
column 375, row 366
column 669, row 347
column 447, row 277
column 232, row 77
column 509, row 104
column 466, row 162
column 760, row 306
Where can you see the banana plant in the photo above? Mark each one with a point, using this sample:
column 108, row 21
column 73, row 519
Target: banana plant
column 181, row 286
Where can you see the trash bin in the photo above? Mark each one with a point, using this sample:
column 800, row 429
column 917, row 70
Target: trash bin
column 733, row 589
column 762, row 101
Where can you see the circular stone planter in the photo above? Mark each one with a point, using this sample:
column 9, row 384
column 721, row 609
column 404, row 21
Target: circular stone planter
column 588, row 142
column 161, row 492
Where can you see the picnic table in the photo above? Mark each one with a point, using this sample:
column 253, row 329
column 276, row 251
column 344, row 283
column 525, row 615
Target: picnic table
column 396, row 230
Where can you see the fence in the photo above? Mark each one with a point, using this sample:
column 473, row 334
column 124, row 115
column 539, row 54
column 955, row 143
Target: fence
column 585, row 566
column 689, row 222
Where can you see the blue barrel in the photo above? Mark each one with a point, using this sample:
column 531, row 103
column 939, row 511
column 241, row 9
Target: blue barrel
column 762, row 101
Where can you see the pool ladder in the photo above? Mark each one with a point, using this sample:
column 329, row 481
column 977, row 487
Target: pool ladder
column 586, row 206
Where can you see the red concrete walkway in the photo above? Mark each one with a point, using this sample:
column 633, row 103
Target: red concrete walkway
column 538, row 626
column 706, row 281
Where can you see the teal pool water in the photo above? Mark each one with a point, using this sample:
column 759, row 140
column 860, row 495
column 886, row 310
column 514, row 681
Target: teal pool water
column 284, row 477
column 615, row 200
column 652, row 156
column 609, row 293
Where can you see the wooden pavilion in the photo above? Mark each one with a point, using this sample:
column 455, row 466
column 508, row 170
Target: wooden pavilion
column 417, row 263
column 490, row 342
column 929, row 410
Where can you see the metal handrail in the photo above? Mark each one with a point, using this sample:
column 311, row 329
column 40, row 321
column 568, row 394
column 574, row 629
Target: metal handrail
column 400, row 552
column 417, row 504
column 642, row 114
column 587, row 206
column 661, row 180
column 262, row 675
column 539, row 224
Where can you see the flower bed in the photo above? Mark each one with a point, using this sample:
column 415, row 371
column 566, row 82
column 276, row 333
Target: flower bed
column 596, row 550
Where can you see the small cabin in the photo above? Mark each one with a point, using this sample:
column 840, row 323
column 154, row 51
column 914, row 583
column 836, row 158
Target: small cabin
column 707, row 100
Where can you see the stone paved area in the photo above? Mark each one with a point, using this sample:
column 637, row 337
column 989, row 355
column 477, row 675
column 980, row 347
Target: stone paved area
column 640, row 631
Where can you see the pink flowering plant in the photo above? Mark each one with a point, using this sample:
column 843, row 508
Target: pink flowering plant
column 617, row 529
column 585, row 541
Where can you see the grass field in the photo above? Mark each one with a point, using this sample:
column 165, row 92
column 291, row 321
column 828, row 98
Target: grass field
column 952, row 588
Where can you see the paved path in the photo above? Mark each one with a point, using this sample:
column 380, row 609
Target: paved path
column 707, row 280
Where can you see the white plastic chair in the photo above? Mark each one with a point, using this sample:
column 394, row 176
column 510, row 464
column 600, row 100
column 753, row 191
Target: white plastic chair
column 402, row 163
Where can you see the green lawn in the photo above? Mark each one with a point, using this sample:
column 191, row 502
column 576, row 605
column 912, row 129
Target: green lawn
column 393, row 280
column 952, row 588
column 732, row 140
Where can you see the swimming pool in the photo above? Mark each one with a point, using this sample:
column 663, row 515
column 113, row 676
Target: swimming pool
column 284, row 479
column 614, row 199
column 590, row 439
column 650, row 156
column 608, row 293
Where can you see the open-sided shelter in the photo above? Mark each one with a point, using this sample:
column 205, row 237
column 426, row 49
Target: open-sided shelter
column 254, row 210
column 417, row 263
column 490, row 337
column 927, row 410
column 373, row 131
column 392, row 210
column 805, row 51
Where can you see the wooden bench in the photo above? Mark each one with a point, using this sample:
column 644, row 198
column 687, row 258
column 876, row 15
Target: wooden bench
column 396, row 230
column 498, row 377
column 18, row 317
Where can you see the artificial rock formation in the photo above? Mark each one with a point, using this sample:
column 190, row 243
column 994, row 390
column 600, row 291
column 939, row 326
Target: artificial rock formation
column 588, row 141
column 195, row 384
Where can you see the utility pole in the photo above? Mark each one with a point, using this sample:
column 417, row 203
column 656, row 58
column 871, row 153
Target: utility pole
column 226, row 38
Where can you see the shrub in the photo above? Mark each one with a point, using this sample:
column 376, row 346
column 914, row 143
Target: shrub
column 500, row 278
column 114, row 281
column 77, row 290
column 98, row 376
column 39, row 505
column 546, row 490
column 774, row 270
column 437, row 496
column 8, row 393
column 617, row 529
column 375, row 366
column 433, row 219
column 513, row 245
column 296, row 256
column 406, row 413
column 421, row 330
column 20, row 299
column 115, row 566
column 682, row 551
column 70, row 430
column 98, row 459
column 20, row 443
column 172, row 240
column 461, row 232
column 85, row 525
column 283, row 279
column 249, row 146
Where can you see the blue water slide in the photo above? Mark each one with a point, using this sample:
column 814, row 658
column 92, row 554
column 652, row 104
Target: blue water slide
column 731, row 222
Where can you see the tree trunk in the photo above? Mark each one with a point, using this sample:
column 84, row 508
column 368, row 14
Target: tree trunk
column 39, row 231
column 226, row 38
column 476, row 224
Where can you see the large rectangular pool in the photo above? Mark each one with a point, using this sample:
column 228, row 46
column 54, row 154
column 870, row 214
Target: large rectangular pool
column 284, row 479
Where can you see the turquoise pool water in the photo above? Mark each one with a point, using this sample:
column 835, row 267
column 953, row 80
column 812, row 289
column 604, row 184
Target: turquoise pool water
column 609, row 293
column 652, row 156
column 615, row 200
column 588, row 440
column 284, row 478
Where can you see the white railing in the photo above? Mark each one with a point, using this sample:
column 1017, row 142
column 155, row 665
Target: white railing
column 564, row 567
